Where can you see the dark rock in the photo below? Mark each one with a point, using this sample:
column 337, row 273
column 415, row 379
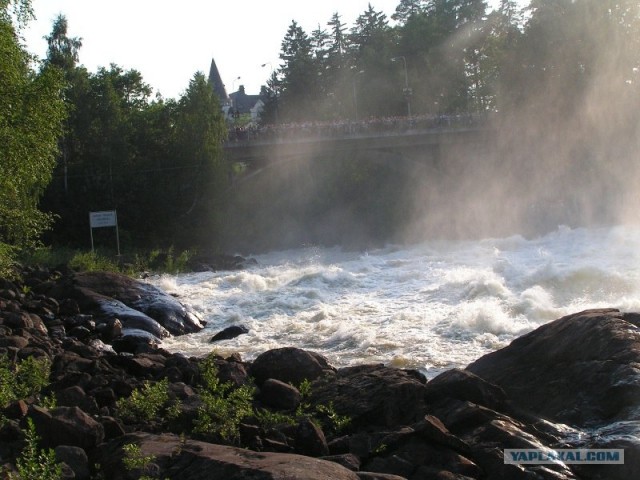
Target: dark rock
column 130, row 318
column 16, row 409
column 69, row 307
column 104, row 397
column 544, row 371
column 378, row 476
column 81, row 333
column 141, row 365
column 139, row 296
column 464, row 385
column 431, row 473
column 110, row 329
column 373, row 395
column 392, row 464
column 290, row 365
column 18, row 320
column 76, row 397
column 433, row 430
column 66, row 426
column 347, row 460
column 233, row 372
column 14, row 341
column 112, row 427
column 310, row 440
column 134, row 341
column 277, row 394
column 75, row 458
column 229, row 333
column 217, row 261
column 195, row 460
column 271, row 445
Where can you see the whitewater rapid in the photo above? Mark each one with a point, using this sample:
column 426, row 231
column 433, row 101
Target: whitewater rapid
column 431, row 306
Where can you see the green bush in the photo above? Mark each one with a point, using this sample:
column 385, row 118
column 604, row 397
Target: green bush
column 34, row 463
column 223, row 406
column 7, row 261
column 134, row 460
column 145, row 403
column 91, row 262
column 23, row 379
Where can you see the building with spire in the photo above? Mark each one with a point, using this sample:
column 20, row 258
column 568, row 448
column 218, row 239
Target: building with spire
column 236, row 103
column 216, row 83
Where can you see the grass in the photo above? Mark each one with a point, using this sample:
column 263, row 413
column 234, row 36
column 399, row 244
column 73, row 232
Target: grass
column 157, row 260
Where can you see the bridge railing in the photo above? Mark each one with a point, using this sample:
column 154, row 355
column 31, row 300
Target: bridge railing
column 374, row 126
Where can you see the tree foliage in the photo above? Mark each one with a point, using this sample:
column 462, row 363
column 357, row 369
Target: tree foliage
column 31, row 115
column 159, row 162
column 156, row 161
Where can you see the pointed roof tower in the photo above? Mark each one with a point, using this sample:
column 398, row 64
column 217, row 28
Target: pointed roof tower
column 216, row 83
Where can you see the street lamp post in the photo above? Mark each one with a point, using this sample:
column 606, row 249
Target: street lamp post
column 406, row 91
column 233, row 84
column 275, row 88
column 355, row 95
column 234, row 103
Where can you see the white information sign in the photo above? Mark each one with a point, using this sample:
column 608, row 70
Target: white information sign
column 106, row 218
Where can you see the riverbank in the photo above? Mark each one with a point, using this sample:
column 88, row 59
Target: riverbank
column 135, row 409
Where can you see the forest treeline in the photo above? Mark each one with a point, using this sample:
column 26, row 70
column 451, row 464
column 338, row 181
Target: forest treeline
column 74, row 141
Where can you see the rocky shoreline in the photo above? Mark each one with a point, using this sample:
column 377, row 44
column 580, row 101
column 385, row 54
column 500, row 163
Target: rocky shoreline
column 572, row 383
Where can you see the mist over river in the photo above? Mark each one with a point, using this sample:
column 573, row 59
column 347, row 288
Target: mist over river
column 431, row 306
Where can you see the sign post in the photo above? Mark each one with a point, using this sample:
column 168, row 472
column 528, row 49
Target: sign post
column 107, row 218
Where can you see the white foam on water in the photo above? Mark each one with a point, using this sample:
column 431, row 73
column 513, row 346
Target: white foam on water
column 431, row 306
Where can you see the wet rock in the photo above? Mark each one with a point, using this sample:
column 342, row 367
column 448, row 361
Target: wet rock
column 134, row 341
column 172, row 315
column 290, row 365
column 216, row 261
column 229, row 333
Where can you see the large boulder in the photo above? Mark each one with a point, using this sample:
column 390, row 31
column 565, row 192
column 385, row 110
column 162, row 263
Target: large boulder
column 178, row 458
column 373, row 395
column 66, row 426
column 581, row 369
column 289, row 365
column 110, row 293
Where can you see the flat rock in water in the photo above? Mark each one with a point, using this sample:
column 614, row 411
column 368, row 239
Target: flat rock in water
column 229, row 333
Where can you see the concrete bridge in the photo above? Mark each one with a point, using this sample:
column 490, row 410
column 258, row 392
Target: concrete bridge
column 425, row 145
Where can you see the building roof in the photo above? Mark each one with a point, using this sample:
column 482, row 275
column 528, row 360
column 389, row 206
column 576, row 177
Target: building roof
column 216, row 82
column 242, row 102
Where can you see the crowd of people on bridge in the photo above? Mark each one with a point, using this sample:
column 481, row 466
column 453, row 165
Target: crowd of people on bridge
column 346, row 128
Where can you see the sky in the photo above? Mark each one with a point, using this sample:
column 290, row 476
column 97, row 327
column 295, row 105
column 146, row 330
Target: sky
column 168, row 41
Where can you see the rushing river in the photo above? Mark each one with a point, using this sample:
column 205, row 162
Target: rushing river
column 431, row 306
